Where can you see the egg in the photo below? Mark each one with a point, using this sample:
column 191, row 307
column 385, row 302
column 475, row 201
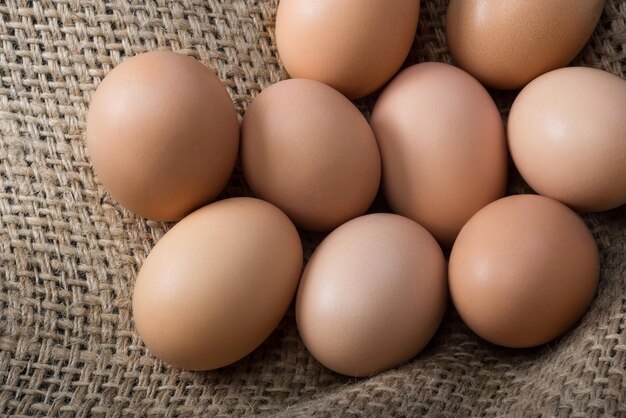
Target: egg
column 443, row 147
column 353, row 46
column 162, row 134
column 372, row 295
column 567, row 135
column 217, row 284
column 506, row 44
column 523, row 271
column 309, row 151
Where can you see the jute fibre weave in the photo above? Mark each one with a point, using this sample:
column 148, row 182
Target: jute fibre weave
column 69, row 255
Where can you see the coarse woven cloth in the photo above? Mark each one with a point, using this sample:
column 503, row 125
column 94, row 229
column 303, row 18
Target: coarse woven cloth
column 69, row 255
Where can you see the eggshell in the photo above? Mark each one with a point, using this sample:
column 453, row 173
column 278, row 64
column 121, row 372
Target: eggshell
column 372, row 295
column 443, row 147
column 506, row 44
column 309, row 151
column 523, row 270
column 355, row 46
column 162, row 134
column 567, row 134
column 217, row 284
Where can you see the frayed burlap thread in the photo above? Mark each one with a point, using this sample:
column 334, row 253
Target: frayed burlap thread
column 69, row 255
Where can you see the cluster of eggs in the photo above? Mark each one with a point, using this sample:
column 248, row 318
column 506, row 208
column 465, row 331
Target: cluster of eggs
column 164, row 137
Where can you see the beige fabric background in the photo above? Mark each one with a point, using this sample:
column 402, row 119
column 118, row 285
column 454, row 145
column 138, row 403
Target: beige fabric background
column 69, row 255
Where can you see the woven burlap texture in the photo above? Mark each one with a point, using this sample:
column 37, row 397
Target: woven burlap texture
column 69, row 255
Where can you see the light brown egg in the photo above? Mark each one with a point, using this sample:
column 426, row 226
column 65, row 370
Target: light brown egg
column 567, row 135
column 523, row 270
column 372, row 295
column 217, row 284
column 355, row 46
column 443, row 147
column 506, row 44
column 309, row 151
column 162, row 134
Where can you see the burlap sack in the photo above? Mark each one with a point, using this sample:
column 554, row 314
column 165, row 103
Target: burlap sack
column 69, row 255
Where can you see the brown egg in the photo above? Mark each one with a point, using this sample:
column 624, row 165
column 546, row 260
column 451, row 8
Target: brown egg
column 353, row 46
column 443, row 147
column 506, row 44
column 523, row 270
column 372, row 295
column 162, row 134
column 309, row 151
column 567, row 134
column 217, row 284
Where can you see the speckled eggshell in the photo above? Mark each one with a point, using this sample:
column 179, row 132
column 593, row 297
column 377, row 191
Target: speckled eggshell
column 162, row 134
column 443, row 147
column 523, row 271
column 506, row 44
column 354, row 46
column 217, row 284
column 372, row 295
column 308, row 150
column 567, row 135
